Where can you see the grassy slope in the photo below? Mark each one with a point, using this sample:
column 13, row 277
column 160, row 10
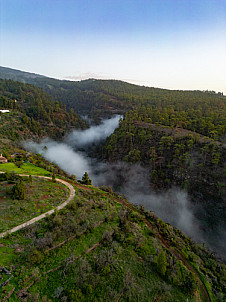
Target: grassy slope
column 115, row 263
column 101, row 248
column 26, row 168
column 41, row 196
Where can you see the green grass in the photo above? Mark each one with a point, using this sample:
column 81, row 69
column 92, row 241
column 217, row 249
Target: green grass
column 26, row 168
column 41, row 196
column 123, row 267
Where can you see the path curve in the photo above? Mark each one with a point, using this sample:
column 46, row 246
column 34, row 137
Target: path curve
column 37, row 218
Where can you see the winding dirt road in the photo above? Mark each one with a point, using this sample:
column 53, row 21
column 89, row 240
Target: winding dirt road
column 202, row 287
column 37, row 218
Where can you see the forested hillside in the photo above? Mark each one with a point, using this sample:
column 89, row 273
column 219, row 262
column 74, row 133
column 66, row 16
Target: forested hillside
column 33, row 112
column 178, row 136
column 103, row 98
column 175, row 156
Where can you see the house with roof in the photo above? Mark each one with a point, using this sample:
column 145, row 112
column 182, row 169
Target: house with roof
column 3, row 159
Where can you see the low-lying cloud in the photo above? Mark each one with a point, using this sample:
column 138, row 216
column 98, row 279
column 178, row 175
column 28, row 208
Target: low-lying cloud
column 132, row 181
column 95, row 134
column 63, row 155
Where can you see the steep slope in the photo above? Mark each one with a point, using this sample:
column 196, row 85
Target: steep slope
column 35, row 111
column 100, row 247
column 174, row 156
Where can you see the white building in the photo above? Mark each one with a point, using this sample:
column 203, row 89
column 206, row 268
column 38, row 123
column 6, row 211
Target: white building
column 4, row 111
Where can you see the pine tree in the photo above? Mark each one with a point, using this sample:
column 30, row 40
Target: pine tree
column 86, row 180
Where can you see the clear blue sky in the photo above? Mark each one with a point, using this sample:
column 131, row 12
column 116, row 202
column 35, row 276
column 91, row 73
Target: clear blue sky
column 177, row 44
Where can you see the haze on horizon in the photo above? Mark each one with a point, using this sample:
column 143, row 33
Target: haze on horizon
column 171, row 44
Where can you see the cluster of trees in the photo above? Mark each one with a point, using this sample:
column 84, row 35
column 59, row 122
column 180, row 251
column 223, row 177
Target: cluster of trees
column 38, row 110
column 175, row 157
column 19, row 190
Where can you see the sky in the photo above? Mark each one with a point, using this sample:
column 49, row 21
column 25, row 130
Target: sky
column 174, row 44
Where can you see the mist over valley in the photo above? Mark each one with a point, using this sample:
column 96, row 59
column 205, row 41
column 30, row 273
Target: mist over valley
column 173, row 205
column 154, row 166
column 113, row 151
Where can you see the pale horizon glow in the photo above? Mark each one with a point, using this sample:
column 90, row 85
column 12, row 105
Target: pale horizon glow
column 169, row 44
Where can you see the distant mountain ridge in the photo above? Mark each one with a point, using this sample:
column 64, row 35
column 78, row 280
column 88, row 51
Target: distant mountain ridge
column 15, row 74
column 99, row 99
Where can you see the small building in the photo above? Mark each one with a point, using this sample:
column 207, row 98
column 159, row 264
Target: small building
column 4, row 111
column 3, row 159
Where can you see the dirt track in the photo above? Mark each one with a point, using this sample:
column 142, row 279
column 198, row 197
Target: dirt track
column 37, row 218
column 164, row 241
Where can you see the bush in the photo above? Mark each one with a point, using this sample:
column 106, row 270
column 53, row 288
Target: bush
column 35, row 257
column 161, row 263
column 107, row 238
column 19, row 190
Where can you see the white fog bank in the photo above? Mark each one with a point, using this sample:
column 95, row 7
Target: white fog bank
column 95, row 134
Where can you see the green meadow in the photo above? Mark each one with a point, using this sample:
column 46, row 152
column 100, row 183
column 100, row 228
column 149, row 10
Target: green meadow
column 26, row 168
column 40, row 196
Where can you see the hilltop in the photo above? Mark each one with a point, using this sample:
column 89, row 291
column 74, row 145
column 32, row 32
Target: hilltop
column 102, row 98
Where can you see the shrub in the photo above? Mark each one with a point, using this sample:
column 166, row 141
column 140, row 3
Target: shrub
column 35, row 257
column 161, row 263
column 19, row 190
column 107, row 237
column 53, row 178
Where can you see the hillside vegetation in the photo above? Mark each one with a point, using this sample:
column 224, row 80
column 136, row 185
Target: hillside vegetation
column 179, row 136
column 101, row 248
column 102, row 98
column 33, row 112
column 39, row 197
column 174, row 156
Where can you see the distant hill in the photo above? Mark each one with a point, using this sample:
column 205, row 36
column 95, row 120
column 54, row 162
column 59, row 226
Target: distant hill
column 17, row 75
column 103, row 98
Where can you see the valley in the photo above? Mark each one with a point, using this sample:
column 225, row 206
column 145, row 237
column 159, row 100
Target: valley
column 163, row 150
